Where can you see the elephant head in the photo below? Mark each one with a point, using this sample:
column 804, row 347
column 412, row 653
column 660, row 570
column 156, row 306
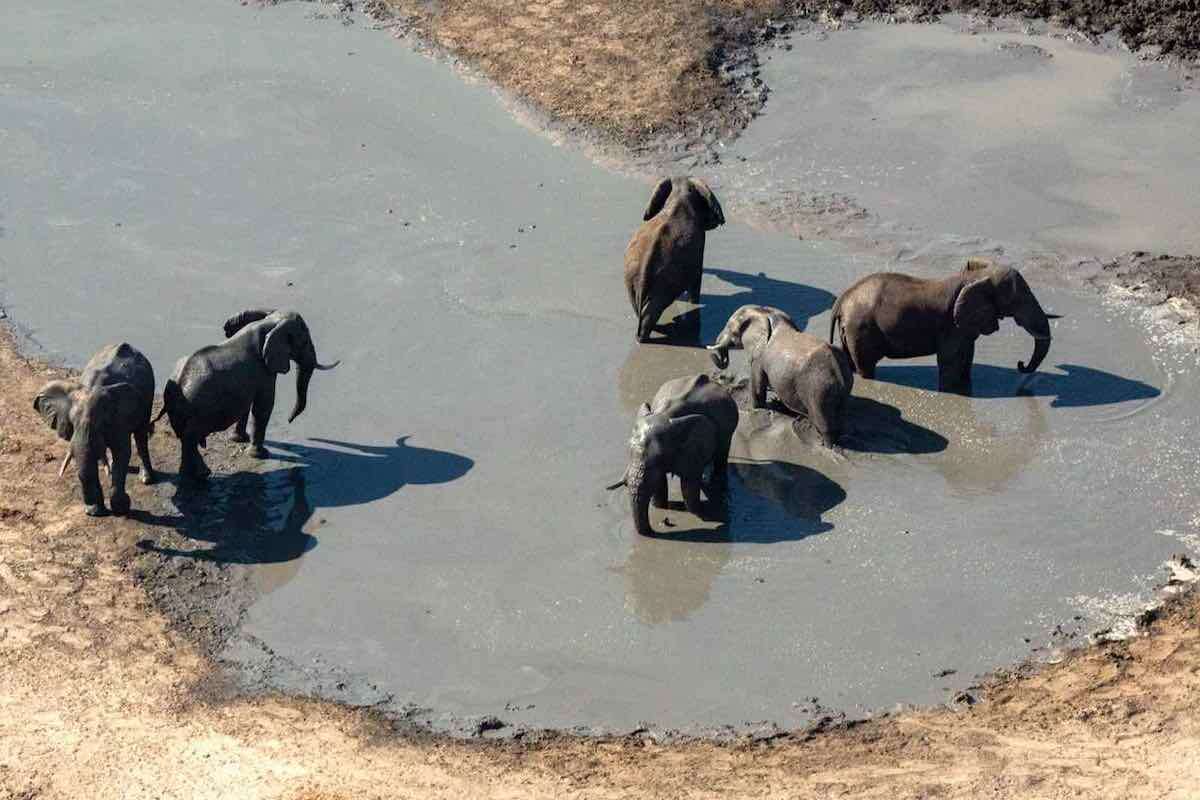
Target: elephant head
column 992, row 293
column 289, row 340
column 693, row 193
column 661, row 445
column 86, row 419
column 749, row 327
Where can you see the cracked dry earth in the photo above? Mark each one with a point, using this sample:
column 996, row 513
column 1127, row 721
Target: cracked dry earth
column 100, row 698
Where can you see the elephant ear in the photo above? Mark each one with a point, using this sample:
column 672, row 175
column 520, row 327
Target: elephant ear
column 712, row 210
column 658, row 199
column 693, row 440
column 53, row 403
column 974, row 311
column 277, row 347
column 241, row 320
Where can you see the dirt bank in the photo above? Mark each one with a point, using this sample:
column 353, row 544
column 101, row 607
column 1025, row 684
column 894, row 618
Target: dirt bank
column 103, row 698
column 645, row 73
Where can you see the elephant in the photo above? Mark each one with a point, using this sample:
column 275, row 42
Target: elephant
column 809, row 377
column 688, row 427
column 111, row 400
column 665, row 257
column 890, row 315
column 222, row 384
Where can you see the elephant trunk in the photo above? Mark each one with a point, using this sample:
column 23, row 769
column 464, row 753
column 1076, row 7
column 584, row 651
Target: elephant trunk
column 87, row 450
column 303, row 376
column 308, row 363
column 1034, row 320
column 719, row 351
column 640, row 492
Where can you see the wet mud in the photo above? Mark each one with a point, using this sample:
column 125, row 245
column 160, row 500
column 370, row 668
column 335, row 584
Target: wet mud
column 432, row 537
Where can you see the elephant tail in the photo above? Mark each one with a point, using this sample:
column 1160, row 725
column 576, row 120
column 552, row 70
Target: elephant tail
column 623, row 482
column 172, row 398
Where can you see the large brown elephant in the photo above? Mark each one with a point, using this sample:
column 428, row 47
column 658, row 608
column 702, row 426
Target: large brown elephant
column 687, row 428
column 808, row 376
column 97, row 414
column 889, row 315
column 217, row 386
column 665, row 257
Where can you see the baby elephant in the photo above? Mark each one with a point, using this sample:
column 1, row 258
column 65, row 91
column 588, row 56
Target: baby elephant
column 889, row 315
column 687, row 427
column 219, row 385
column 97, row 414
column 665, row 257
column 807, row 375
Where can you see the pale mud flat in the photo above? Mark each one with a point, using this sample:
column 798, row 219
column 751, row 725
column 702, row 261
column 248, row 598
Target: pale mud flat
column 958, row 139
column 433, row 536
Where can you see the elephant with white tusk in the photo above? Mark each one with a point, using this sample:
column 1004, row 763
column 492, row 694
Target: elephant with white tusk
column 97, row 414
column 665, row 257
column 889, row 315
column 807, row 375
column 687, row 428
column 220, row 385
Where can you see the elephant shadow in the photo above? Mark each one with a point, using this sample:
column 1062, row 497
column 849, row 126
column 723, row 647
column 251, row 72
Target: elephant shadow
column 874, row 427
column 259, row 517
column 1077, row 386
column 701, row 325
column 799, row 301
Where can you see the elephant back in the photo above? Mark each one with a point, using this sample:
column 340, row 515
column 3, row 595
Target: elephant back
column 120, row 363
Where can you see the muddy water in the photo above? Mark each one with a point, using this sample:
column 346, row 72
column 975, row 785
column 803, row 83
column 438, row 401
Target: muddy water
column 432, row 535
column 958, row 143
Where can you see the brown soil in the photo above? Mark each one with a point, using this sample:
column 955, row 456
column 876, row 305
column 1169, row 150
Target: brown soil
column 101, row 697
column 643, row 71
column 1156, row 278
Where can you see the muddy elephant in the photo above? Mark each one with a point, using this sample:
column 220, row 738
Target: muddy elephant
column 665, row 257
column 97, row 414
column 889, row 315
column 687, row 428
column 219, row 385
column 809, row 377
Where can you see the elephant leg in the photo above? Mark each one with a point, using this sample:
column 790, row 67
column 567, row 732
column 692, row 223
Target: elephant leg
column 694, row 286
column 758, row 385
column 954, row 361
column 720, row 465
column 650, row 314
column 661, row 494
column 118, row 499
column 691, row 495
column 192, row 464
column 142, row 440
column 263, row 404
column 862, row 355
column 239, row 430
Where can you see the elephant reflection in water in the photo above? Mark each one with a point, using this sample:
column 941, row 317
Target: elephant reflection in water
column 987, row 443
column 772, row 499
column 250, row 517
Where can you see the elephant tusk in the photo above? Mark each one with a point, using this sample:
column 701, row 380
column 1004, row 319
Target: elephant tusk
column 62, row 470
column 321, row 366
column 617, row 485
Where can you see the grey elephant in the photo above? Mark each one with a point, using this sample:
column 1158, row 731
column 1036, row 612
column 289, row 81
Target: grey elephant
column 111, row 401
column 890, row 315
column 808, row 376
column 687, row 428
column 665, row 257
column 220, row 385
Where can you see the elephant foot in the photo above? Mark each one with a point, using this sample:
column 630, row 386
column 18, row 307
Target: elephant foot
column 258, row 451
column 198, row 472
column 240, row 436
column 120, row 504
column 148, row 476
column 95, row 509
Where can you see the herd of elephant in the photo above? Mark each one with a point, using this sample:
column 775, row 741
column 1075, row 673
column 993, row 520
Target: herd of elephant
column 685, row 430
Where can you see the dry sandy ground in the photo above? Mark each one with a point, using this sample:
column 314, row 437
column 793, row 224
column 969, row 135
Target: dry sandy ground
column 637, row 68
column 101, row 699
